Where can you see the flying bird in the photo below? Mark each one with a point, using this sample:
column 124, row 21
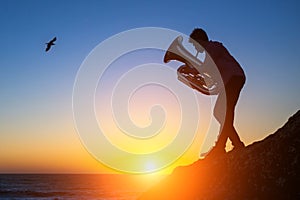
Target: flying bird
column 49, row 44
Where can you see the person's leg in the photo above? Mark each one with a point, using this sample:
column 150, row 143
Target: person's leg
column 233, row 92
column 227, row 130
column 219, row 114
column 224, row 113
column 220, row 108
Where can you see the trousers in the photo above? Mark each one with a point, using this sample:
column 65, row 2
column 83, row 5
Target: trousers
column 224, row 111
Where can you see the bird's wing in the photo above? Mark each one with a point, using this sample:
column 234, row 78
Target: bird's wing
column 53, row 40
column 48, row 47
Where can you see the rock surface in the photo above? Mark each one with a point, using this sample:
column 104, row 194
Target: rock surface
column 268, row 169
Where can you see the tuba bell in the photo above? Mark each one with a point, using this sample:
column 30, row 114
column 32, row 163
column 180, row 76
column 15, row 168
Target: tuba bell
column 190, row 73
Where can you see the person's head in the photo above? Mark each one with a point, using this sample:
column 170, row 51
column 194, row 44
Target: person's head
column 198, row 36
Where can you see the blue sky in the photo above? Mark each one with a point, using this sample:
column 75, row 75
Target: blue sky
column 36, row 87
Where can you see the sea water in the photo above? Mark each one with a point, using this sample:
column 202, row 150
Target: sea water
column 74, row 186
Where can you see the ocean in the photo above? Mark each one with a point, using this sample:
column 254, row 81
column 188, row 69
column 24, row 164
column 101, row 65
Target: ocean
column 74, row 186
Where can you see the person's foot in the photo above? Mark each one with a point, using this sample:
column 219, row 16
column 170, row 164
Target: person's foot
column 238, row 146
column 214, row 152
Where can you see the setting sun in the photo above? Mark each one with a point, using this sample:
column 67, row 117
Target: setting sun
column 150, row 166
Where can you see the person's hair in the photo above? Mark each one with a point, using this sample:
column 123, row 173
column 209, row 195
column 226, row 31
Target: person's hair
column 199, row 34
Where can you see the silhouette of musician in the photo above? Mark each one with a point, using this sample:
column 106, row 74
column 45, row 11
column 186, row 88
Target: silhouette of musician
column 233, row 78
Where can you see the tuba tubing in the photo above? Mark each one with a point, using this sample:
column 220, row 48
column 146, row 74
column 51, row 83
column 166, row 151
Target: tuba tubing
column 190, row 73
column 176, row 51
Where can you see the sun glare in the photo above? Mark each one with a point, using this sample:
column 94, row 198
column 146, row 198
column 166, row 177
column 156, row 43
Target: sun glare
column 150, row 166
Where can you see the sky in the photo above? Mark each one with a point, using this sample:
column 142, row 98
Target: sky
column 37, row 130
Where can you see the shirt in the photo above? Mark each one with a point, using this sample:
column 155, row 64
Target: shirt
column 218, row 55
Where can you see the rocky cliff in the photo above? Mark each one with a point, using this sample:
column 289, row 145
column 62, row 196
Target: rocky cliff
column 268, row 169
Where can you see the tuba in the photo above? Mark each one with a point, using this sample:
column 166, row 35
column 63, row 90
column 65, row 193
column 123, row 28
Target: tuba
column 190, row 73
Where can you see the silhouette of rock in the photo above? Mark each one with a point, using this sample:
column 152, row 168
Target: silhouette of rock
column 268, row 169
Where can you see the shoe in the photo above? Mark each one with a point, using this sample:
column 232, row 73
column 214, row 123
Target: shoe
column 214, row 152
column 240, row 146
